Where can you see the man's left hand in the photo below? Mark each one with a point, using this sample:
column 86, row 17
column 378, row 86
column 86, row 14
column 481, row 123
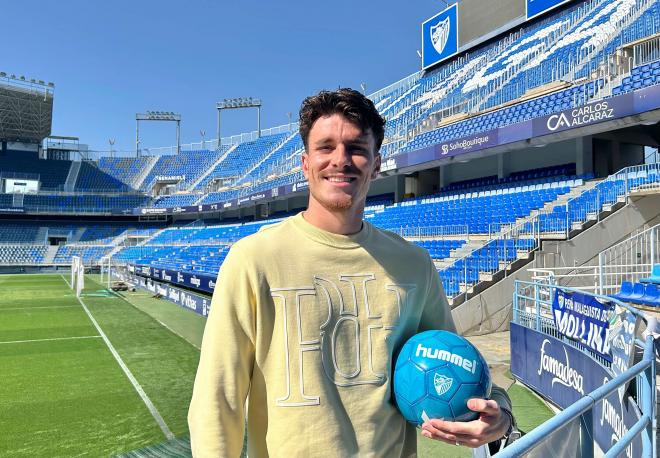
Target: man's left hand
column 491, row 425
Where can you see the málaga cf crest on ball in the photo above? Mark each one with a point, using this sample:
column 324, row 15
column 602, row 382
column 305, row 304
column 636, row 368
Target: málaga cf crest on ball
column 436, row 373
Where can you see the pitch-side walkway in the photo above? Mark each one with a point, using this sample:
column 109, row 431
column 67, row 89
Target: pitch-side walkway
column 496, row 349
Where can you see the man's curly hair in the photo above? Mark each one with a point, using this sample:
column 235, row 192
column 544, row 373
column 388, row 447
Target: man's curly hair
column 351, row 104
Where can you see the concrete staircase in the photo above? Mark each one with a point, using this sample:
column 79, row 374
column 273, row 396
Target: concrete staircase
column 273, row 151
column 72, row 177
column 212, row 167
column 75, row 237
column 17, row 200
column 49, row 257
column 138, row 182
column 42, row 235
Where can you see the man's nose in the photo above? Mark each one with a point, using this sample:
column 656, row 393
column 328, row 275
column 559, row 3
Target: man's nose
column 341, row 156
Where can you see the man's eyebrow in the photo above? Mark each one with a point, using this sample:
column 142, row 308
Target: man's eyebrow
column 359, row 141
column 323, row 141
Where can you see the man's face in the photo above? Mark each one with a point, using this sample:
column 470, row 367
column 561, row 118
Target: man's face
column 339, row 163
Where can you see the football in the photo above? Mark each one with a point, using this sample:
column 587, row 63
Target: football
column 435, row 374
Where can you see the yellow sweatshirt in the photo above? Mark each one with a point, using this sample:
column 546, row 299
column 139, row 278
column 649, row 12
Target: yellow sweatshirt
column 305, row 323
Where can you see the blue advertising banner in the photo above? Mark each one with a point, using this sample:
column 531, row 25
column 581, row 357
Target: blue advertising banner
column 563, row 374
column 585, row 115
column 195, row 302
column 198, row 281
column 585, row 319
column 536, row 7
column 440, row 37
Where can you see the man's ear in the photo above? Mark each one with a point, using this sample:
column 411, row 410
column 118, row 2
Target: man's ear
column 305, row 163
column 376, row 169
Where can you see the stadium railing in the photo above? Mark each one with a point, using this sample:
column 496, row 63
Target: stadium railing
column 532, row 308
column 630, row 260
column 435, row 232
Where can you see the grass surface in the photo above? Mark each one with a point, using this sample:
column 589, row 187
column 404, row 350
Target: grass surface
column 67, row 396
column 62, row 395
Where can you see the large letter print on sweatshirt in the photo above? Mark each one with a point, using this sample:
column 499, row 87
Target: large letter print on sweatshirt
column 343, row 322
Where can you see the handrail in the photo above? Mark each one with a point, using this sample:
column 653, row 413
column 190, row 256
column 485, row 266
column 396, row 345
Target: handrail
column 586, row 404
column 643, row 370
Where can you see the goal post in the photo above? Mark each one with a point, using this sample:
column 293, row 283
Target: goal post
column 77, row 275
column 80, row 283
column 75, row 261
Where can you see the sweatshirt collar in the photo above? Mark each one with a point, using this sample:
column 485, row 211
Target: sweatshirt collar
column 328, row 238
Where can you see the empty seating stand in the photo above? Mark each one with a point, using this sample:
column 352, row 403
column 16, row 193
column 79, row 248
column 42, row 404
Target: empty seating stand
column 639, row 293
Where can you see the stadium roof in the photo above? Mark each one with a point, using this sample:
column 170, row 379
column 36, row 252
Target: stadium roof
column 26, row 109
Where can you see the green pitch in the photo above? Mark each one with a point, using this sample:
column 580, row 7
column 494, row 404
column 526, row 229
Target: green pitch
column 62, row 393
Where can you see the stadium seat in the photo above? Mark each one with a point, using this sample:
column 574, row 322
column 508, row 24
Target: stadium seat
column 655, row 276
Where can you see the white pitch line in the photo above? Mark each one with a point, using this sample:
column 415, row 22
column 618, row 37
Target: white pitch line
column 67, row 283
column 49, row 340
column 2, row 309
column 152, row 408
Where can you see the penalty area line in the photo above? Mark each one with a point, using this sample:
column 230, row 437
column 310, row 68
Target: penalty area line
column 147, row 402
column 2, row 309
column 49, row 340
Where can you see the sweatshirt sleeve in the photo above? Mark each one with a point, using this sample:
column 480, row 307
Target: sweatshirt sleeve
column 217, row 410
column 436, row 313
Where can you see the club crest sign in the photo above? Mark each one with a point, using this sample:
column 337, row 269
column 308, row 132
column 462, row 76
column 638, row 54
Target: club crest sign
column 442, row 383
column 440, row 37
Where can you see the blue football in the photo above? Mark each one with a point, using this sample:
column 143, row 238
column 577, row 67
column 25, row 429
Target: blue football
column 436, row 373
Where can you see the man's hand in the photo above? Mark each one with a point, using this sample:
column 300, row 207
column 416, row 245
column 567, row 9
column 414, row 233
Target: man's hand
column 491, row 425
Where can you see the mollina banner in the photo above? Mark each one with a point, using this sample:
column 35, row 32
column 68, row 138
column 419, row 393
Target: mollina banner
column 585, row 319
column 563, row 374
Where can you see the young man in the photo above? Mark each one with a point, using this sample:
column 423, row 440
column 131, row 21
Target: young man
column 308, row 314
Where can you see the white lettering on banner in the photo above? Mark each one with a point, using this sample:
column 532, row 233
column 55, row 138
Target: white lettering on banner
column 615, row 420
column 388, row 165
column 581, row 116
column 227, row 205
column 179, row 277
column 188, row 301
column 562, row 372
column 346, row 313
column 464, row 145
column 258, row 196
column 195, row 281
column 174, row 295
column 166, row 277
column 211, row 284
column 573, row 327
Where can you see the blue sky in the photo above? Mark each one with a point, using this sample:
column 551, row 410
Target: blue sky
column 109, row 60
